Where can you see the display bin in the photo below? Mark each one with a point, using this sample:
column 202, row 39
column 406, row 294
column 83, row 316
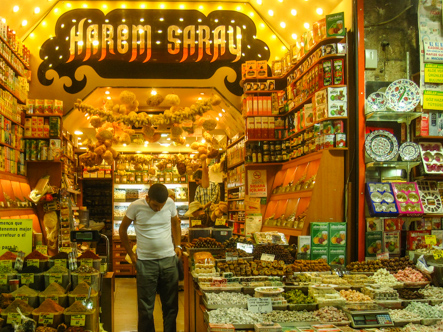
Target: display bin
column 43, row 265
column 31, row 300
column 92, row 279
column 4, row 285
column 64, row 279
column 57, row 319
column 38, row 284
column 51, row 262
column 221, row 234
column 91, row 319
column 195, row 233
column 80, row 297
column 96, row 263
column 60, row 299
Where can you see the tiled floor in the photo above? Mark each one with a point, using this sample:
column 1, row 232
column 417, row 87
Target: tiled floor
column 125, row 307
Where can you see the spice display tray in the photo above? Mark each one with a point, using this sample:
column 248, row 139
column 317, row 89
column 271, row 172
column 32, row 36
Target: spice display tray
column 407, row 302
column 430, row 321
column 228, row 288
column 431, row 157
column 403, row 322
column 365, row 273
column 236, row 326
column 416, row 284
column 301, row 307
column 393, row 304
column 407, row 198
column 218, row 306
column 435, row 301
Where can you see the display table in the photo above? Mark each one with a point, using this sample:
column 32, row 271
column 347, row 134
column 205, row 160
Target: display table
column 107, row 301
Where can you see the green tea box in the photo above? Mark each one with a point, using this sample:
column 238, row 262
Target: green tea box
column 391, row 242
column 317, row 253
column 304, row 244
column 373, row 243
column 319, row 234
column 337, row 256
column 335, row 25
column 337, row 234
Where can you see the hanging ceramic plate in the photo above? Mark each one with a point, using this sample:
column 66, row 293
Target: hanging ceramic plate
column 381, row 145
column 402, row 95
column 409, row 151
column 376, row 101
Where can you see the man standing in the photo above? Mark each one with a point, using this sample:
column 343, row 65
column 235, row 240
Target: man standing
column 207, row 192
column 154, row 218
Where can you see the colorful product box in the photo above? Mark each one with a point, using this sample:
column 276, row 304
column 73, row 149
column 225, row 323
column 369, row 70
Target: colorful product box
column 422, row 125
column 424, row 224
column 335, row 25
column 48, row 106
column 436, row 222
column 407, row 198
column 262, row 69
column 433, row 123
column 251, row 69
column 340, row 140
column 319, row 234
column 338, row 71
column 327, row 72
column 337, row 95
column 391, row 243
column 328, row 141
column 39, row 107
column 416, row 240
column 374, row 224
column 337, row 234
column 30, row 106
column 304, row 244
column 54, row 126
column 319, row 253
column 337, row 255
column 373, row 243
column 392, row 224
column 320, row 98
column 438, row 236
column 54, row 150
column 309, row 114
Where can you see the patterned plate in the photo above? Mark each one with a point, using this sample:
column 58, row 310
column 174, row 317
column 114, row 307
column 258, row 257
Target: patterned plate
column 402, row 95
column 409, row 151
column 381, row 145
column 376, row 101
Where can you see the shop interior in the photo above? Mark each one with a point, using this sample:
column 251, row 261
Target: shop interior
column 319, row 125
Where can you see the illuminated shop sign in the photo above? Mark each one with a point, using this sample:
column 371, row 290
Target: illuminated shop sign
column 142, row 43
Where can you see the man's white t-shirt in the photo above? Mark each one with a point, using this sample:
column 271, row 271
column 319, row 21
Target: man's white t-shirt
column 152, row 229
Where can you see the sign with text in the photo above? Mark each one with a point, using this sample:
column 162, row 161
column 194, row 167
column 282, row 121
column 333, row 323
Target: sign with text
column 196, row 222
column 33, row 262
column 249, row 248
column 46, row 319
column 267, row 257
column 431, row 240
column 231, row 256
column 78, row 320
column 220, row 222
column 42, row 249
column 15, row 235
column 433, row 100
column 126, row 43
column 260, row 304
column 433, row 73
column 257, row 183
column 27, row 278
column 6, row 263
column 433, row 51
column 383, row 255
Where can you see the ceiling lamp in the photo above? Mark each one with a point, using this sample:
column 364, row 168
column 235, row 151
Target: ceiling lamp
column 283, row 24
column 259, row 2
column 78, row 132
column 271, row 12
column 294, row 36
column 306, row 25
column 319, row 11
column 36, row 10
column 24, row 23
column 293, row 12
column 153, row 92
column 15, row 9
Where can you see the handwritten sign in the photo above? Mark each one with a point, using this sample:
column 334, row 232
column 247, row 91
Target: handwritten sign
column 195, row 223
column 383, row 255
column 66, row 249
column 56, row 277
column 257, row 183
column 14, row 317
column 438, row 254
column 53, row 298
column 78, row 320
column 24, row 298
column 46, row 319
column 220, row 222
column 6, row 263
column 80, row 298
column 33, row 262
column 431, row 240
column 3, row 279
column 60, row 262
column 267, row 257
column 260, row 304
column 246, row 247
column 27, row 278
column 42, row 249
column 84, row 278
column 86, row 261
column 231, row 256
column 16, row 235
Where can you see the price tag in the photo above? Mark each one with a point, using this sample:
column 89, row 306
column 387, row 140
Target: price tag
column 27, row 278
column 33, row 262
column 260, row 304
column 86, row 261
column 46, row 319
column 14, row 317
column 383, row 255
column 78, row 320
column 267, row 257
column 195, row 223
column 24, row 298
column 42, row 249
column 3, row 279
column 231, row 256
column 53, row 298
column 66, row 249
column 80, row 298
column 84, row 278
column 60, row 262
column 438, row 254
column 431, row 240
column 249, row 248
column 220, row 222
column 56, row 277
column 6, row 263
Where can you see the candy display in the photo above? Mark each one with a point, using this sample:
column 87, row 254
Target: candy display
column 431, row 292
column 410, row 275
column 392, row 265
column 425, row 310
column 384, row 278
column 380, row 293
column 432, row 157
column 380, row 199
column 354, row 296
column 430, row 197
column 407, row 198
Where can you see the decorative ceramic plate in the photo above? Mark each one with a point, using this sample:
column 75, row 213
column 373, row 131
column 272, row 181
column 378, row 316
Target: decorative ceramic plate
column 381, row 145
column 376, row 101
column 431, row 201
column 402, row 95
column 409, row 151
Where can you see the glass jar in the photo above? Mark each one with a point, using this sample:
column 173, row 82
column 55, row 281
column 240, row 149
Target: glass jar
column 273, row 157
column 272, row 147
column 161, row 178
column 117, row 178
column 265, row 146
column 266, row 157
column 168, row 177
column 145, row 177
column 138, row 177
column 131, row 178
column 278, row 146
column 175, row 178
column 124, row 178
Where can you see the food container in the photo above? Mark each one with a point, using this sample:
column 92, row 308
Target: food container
column 95, row 263
column 432, row 157
column 48, row 319
column 60, row 299
column 32, row 280
column 42, row 264
column 61, row 262
column 268, row 291
column 4, row 282
column 60, row 278
column 380, row 199
column 92, row 279
column 407, row 198
column 195, row 233
column 221, row 234
column 88, row 320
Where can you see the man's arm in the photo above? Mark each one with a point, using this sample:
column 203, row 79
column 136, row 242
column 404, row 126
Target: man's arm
column 205, row 174
column 123, row 232
column 176, row 234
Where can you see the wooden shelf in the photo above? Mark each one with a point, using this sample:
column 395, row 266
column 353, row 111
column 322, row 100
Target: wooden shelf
column 12, row 93
column 13, row 177
column 261, row 92
column 286, row 230
column 236, row 141
column 229, row 210
column 15, row 212
column 13, row 121
column 264, row 164
column 14, row 52
column 43, row 161
column 235, row 199
column 10, row 146
column 45, row 115
column 236, row 164
column 296, row 194
column 239, row 221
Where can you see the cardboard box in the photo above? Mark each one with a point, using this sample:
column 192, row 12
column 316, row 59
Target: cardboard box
column 54, row 151
column 392, row 224
column 337, row 95
column 48, row 106
column 374, row 224
column 433, row 123
column 262, row 69
column 39, row 106
column 54, row 126
column 320, row 98
column 335, row 25
column 337, row 109
column 438, row 235
column 337, row 256
column 436, row 223
column 319, row 253
column 391, row 242
column 416, row 239
column 319, row 234
column 309, row 114
column 373, row 243
column 304, row 244
column 424, row 224
column 422, row 125
column 337, row 234
column 328, row 141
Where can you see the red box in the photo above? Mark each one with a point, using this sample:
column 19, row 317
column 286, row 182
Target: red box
column 395, row 224
column 416, row 239
column 422, row 125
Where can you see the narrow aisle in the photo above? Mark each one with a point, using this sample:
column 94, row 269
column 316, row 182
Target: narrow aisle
column 125, row 307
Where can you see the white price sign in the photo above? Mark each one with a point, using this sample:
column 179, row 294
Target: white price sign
column 246, row 247
column 260, row 304
column 231, row 256
column 267, row 257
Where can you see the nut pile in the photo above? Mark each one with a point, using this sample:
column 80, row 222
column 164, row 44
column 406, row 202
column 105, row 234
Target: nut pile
column 401, row 314
column 227, row 298
column 409, row 294
column 432, row 292
column 280, row 252
column 410, row 275
column 296, row 296
column 233, row 240
column 234, row 316
column 318, row 265
column 284, row 316
column 240, row 253
column 384, row 278
column 205, row 242
column 354, row 296
column 242, row 267
column 425, row 310
column 392, row 265
column 330, row 314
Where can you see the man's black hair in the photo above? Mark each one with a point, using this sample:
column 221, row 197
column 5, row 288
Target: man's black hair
column 198, row 174
column 158, row 192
